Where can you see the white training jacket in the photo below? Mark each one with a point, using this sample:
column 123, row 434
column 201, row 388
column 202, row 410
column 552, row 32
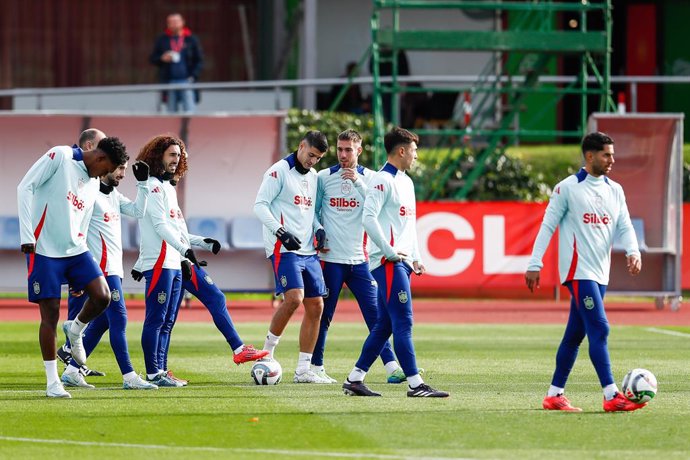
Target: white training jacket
column 55, row 200
column 390, row 216
column 589, row 212
column 339, row 206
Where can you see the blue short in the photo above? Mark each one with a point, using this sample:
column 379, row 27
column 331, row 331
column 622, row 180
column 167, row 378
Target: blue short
column 294, row 271
column 48, row 274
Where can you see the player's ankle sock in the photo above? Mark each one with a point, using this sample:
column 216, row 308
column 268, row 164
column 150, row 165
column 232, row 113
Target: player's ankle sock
column 357, row 375
column 77, row 326
column 152, row 376
column 610, row 391
column 391, row 367
column 317, row 368
column 51, row 371
column 71, row 369
column 555, row 391
column 238, row 349
column 303, row 362
column 415, row 380
column 271, row 342
column 129, row 376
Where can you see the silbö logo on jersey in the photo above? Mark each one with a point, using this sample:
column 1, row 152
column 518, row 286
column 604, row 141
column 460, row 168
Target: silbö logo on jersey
column 595, row 219
column 115, row 295
column 37, row 288
column 589, row 302
column 161, row 297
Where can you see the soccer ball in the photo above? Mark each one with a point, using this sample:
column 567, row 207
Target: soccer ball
column 639, row 386
column 267, row 372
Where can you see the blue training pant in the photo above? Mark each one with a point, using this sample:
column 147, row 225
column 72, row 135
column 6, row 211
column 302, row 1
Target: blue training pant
column 587, row 317
column 163, row 287
column 114, row 319
column 362, row 284
column 395, row 316
column 203, row 288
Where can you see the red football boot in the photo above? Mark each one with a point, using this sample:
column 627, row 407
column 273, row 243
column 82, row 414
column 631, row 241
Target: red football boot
column 248, row 353
column 620, row 403
column 559, row 402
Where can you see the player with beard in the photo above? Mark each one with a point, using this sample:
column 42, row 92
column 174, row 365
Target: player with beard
column 589, row 210
column 161, row 249
column 339, row 202
column 105, row 243
column 285, row 205
column 56, row 199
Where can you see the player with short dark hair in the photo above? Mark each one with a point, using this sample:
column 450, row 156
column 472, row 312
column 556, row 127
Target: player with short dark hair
column 56, row 199
column 285, row 205
column 389, row 218
column 105, row 243
column 589, row 210
column 339, row 202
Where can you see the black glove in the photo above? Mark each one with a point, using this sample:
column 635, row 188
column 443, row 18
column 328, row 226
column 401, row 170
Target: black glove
column 215, row 245
column 191, row 256
column 290, row 241
column 137, row 275
column 186, row 268
column 320, row 239
column 141, row 171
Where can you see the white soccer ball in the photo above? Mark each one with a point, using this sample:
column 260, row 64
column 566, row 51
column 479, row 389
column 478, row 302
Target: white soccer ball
column 267, row 372
column 639, row 386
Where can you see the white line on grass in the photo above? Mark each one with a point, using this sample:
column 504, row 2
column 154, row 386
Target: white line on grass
column 297, row 453
column 668, row 332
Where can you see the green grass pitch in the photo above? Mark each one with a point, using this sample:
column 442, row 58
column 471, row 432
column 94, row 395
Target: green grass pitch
column 497, row 376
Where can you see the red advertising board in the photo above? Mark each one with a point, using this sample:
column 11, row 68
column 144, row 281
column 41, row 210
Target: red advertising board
column 481, row 248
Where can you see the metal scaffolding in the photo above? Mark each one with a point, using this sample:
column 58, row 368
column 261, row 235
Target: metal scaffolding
column 532, row 41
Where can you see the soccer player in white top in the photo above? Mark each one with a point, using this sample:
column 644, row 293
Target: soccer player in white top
column 56, row 199
column 339, row 202
column 285, row 205
column 161, row 249
column 105, row 243
column 589, row 210
column 389, row 219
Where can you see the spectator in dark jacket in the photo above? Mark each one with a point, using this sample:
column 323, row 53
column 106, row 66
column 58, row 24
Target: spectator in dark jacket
column 179, row 58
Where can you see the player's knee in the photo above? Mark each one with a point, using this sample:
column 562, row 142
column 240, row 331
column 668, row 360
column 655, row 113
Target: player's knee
column 599, row 333
column 293, row 298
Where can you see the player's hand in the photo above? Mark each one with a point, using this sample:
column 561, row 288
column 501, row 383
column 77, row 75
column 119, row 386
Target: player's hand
column 349, row 173
column 167, row 57
column 215, row 245
column 396, row 257
column 189, row 254
column 419, row 269
column 320, row 236
column 634, row 264
column 141, row 171
column 532, row 279
column 186, row 268
column 29, row 248
column 137, row 275
column 290, row 241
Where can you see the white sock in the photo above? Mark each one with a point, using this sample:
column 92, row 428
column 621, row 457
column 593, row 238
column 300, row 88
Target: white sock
column 70, row 369
column 555, row 391
column 414, row 381
column 271, row 343
column 238, row 349
column 391, row 367
column 152, row 376
column 303, row 362
column 317, row 368
column 357, row 375
column 129, row 376
column 610, row 391
column 77, row 326
column 51, row 371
